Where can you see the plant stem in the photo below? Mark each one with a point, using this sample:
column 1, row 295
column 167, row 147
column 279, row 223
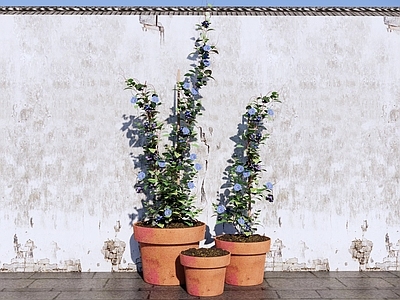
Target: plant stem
column 178, row 117
column 250, row 179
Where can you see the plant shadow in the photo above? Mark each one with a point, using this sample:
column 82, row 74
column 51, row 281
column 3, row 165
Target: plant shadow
column 133, row 244
column 226, row 228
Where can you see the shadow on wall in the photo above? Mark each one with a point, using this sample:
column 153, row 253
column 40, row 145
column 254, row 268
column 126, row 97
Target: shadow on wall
column 135, row 253
column 132, row 127
column 224, row 197
column 133, row 244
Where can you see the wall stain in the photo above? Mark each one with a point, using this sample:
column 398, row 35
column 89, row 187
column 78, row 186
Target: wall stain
column 24, row 261
column 394, row 115
column 361, row 249
column 275, row 261
column 392, row 261
column 151, row 22
column 113, row 250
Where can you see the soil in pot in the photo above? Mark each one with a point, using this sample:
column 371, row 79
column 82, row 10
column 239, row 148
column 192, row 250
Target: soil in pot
column 205, row 270
column 205, row 252
column 241, row 238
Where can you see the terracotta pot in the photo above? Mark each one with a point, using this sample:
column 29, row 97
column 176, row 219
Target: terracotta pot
column 247, row 261
column 160, row 249
column 205, row 276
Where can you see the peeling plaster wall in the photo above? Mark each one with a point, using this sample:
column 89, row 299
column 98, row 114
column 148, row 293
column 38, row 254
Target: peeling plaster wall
column 66, row 172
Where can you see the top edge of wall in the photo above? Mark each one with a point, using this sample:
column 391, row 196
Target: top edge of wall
column 183, row 10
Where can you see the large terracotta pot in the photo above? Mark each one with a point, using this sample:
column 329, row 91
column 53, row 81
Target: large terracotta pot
column 160, row 249
column 247, row 261
column 205, row 276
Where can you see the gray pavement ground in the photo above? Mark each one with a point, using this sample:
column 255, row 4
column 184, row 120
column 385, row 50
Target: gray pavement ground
column 277, row 285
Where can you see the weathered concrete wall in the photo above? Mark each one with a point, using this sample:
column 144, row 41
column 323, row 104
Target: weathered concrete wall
column 66, row 185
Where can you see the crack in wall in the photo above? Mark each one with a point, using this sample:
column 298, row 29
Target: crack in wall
column 203, row 137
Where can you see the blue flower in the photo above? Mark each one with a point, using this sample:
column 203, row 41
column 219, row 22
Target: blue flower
column 190, row 184
column 167, row 213
column 133, row 100
column 197, row 167
column 194, row 91
column 193, row 156
column 246, row 174
column 185, row 130
column 141, row 175
column 241, row 221
column 206, row 48
column 206, row 62
column 155, row 99
column 188, row 114
column 251, row 111
column 237, row 187
column 205, row 24
column 161, row 164
column 221, row 209
column 239, row 169
column 270, row 112
column 269, row 185
column 186, row 85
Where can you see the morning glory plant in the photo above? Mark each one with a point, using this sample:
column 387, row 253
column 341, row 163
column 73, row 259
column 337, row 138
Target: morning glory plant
column 167, row 172
column 243, row 175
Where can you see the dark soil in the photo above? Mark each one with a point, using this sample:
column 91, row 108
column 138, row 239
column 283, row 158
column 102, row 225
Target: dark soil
column 241, row 238
column 205, row 252
column 170, row 225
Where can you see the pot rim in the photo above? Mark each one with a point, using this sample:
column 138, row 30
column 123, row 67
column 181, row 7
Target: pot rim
column 201, row 262
column 242, row 248
column 168, row 236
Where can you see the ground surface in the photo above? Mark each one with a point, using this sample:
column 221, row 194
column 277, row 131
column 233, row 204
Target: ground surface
column 277, row 285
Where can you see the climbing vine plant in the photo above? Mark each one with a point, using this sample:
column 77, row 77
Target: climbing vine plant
column 168, row 171
column 245, row 170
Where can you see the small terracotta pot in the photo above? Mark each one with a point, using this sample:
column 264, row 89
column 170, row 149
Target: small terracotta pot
column 247, row 261
column 205, row 276
column 160, row 249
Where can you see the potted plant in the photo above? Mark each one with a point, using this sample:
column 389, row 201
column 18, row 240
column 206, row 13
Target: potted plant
column 169, row 224
column 236, row 206
column 205, row 270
